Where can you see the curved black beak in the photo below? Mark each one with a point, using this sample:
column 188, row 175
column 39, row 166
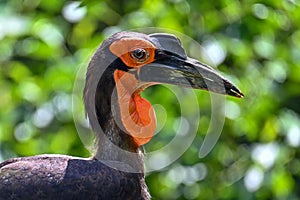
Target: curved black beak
column 186, row 72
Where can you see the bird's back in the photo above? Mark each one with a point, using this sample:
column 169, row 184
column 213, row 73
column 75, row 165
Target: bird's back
column 66, row 177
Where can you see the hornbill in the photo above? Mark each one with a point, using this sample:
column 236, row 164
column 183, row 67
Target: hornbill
column 123, row 66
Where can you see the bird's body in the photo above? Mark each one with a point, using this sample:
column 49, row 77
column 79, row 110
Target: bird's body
column 123, row 66
column 67, row 177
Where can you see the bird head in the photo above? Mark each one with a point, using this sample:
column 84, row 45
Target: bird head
column 128, row 63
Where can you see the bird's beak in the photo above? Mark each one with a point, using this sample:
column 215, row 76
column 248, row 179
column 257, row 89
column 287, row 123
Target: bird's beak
column 186, row 72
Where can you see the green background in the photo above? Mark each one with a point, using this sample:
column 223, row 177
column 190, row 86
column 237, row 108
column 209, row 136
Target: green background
column 42, row 47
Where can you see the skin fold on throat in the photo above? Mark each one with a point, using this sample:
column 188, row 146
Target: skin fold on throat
column 137, row 114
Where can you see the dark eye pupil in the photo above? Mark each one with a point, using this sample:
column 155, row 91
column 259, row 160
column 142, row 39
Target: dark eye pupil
column 139, row 53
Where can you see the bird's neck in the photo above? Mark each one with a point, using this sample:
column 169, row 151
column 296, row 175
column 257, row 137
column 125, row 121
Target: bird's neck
column 115, row 145
column 112, row 142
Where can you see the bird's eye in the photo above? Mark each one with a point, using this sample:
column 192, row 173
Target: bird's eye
column 140, row 55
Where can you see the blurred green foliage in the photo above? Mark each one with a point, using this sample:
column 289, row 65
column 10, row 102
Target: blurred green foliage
column 44, row 43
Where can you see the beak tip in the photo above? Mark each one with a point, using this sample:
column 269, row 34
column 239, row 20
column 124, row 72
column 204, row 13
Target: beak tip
column 232, row 90
column 241, row 95
column 235, row 92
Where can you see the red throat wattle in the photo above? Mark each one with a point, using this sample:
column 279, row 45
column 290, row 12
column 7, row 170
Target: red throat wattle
column 137, row 114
